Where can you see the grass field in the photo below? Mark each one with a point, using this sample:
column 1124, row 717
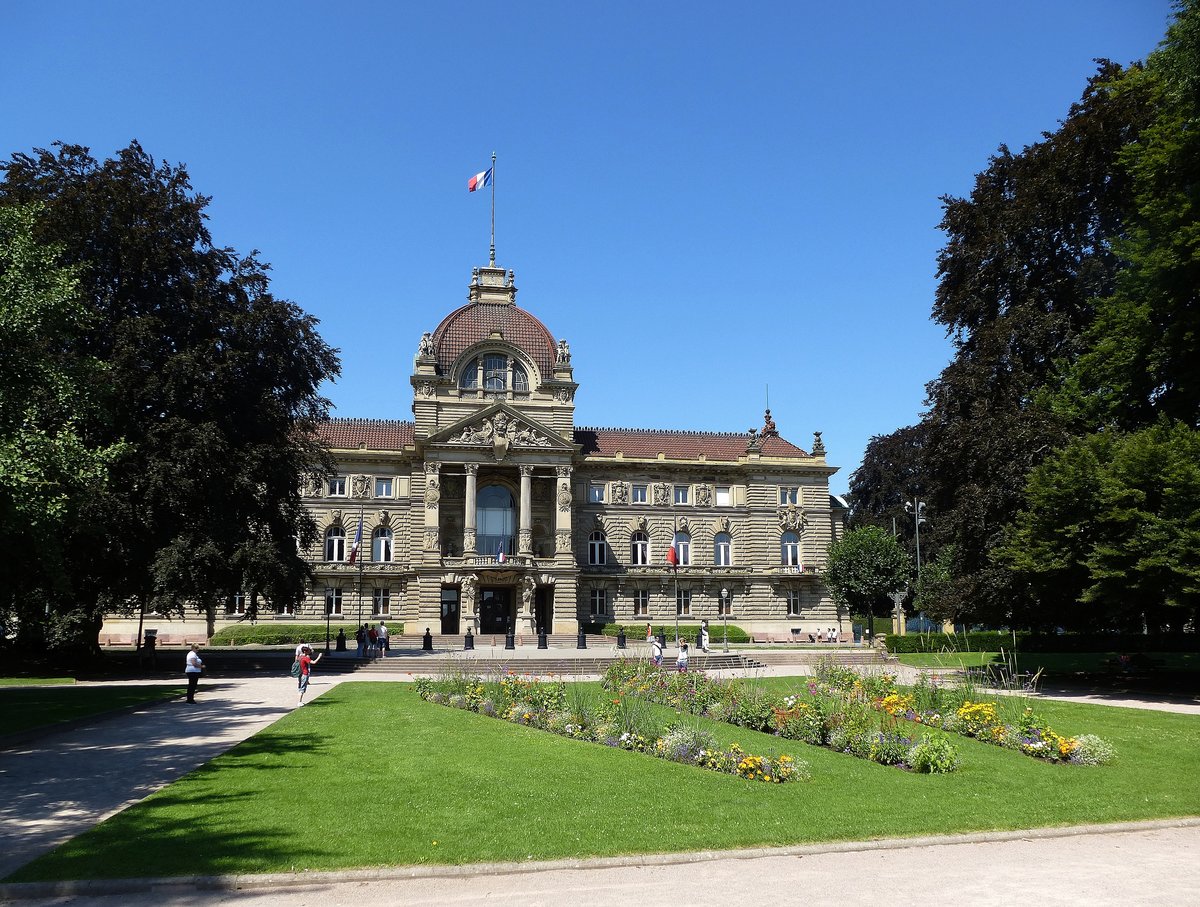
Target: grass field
column 25, row 708
column 35, row 681
column 1054, row 663
column 368, row 775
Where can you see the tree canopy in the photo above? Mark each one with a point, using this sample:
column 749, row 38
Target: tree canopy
column 865, row 566
column 209, row 394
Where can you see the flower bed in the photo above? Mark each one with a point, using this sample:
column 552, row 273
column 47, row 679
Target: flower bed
column 619, row 722
column 959, row 710
column 820, row 716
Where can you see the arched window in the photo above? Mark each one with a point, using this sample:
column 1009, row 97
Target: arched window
column 722, row 550
column 683, row 548
column 639, row 549
column 381, row 545
column 495, row 372
column 470, row 376
column 495, row 520
column 335, row 543
column 520, row 377
column 597, row 549
column 790, row 543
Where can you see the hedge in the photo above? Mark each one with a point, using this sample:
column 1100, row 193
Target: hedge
column 1025, row 641
column 688, row 632
column 273, row 634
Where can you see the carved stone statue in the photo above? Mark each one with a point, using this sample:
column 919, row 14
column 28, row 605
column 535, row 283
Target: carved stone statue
column 528, row 587
column 818, row 445
column 620, row 493
column 469, row 585
column 425, row 347
column 563, row 356
column 704, row 495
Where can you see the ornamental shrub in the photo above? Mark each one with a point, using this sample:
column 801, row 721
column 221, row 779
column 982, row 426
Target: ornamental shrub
column 934, row 756
column 1092, row 750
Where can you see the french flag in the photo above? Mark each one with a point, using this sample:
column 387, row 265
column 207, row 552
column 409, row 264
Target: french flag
column 501, row 557
column 672, row 557
column 479, row 180
column 357, row 542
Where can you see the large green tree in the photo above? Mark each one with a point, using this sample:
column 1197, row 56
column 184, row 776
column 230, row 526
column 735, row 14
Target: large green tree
column 865, row 566
column 1110, row 534
column 1027, row 253
column 211, row 386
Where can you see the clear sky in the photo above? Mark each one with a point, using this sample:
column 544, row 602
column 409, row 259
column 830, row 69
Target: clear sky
column 706, row 200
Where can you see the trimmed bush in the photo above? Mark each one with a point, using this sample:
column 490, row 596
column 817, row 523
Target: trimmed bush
column 275, row 634
column 688, row 632
column 992, row 640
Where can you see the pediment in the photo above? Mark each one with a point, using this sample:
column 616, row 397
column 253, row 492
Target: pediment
column 500, row 428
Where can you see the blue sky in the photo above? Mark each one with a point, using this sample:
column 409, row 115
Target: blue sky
column 706, row 200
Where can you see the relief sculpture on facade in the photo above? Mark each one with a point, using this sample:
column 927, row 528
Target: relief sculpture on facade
column 359, row 486
column 500, row 428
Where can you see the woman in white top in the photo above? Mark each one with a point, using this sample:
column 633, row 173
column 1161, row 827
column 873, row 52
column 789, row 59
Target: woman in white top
column 193, row 669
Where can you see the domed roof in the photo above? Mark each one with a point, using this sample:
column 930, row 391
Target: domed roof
column 490, row 311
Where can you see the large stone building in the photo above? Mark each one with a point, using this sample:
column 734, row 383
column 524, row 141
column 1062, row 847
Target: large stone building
column 493, row 509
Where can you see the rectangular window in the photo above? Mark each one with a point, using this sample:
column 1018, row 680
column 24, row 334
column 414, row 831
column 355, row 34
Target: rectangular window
column 683, row 602
column 599, row 603
column 383, row 487
column 639, row 494
column 337, row 486
column 788, row 494
column 641, row 602
column 381, row 601
column 724, row 496
column 793, row 603
column 725, row 606
column 595, row 494
column 236, row 603
column 333, row 600
column 681, row 493
column 289, row 609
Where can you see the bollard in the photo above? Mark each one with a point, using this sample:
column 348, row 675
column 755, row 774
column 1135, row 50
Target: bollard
column 427, row 641
column 543, row 642
column 510, row 640
column 468, row 641
column 582, row 644
column 621, row 638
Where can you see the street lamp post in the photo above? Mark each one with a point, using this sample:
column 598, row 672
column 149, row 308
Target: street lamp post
column 916, row 507
column 725, row 614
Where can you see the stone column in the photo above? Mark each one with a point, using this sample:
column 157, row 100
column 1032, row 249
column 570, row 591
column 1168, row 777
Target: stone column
column 562, row 513
column 525, row 530
column 469, row 511
column 433, row 496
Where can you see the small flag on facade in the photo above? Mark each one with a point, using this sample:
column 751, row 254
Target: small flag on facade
column 672, row 557
column 501, row 557
column 479, row 180
column 357, row 541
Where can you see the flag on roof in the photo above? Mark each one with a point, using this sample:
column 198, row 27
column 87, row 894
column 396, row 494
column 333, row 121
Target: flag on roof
column 479, row 180
column 501, row 557
column 357, row 541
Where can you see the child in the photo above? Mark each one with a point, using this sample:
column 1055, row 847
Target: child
column 306, row 663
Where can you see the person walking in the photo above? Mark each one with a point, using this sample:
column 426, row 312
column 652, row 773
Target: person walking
column 193, row 670
column 656, row 651
column 704, row 637
column 649, row 633
column 306, row 665
column 360, row 637
column 381, row 637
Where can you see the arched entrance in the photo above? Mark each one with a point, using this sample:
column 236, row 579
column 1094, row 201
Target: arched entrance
column 496, row 520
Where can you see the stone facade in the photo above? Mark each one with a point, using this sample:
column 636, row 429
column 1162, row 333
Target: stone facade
column 492, row 509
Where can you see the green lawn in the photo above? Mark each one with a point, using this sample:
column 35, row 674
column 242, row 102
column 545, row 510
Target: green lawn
column 35, row 681
column 1054, row 663
column 24, row 708
column 368, row 775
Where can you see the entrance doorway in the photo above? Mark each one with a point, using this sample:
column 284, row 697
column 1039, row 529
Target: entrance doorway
column 450, row 611
column 543, row 609
column 495, row 610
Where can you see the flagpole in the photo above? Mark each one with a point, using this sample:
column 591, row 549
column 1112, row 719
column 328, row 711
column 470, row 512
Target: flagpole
column 492, row 252
column 675, row 566
column 361, row 508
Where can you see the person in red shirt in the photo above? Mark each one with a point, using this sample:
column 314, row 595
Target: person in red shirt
column 306, row 664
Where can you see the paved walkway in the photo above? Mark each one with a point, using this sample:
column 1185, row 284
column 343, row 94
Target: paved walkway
column 59, row 785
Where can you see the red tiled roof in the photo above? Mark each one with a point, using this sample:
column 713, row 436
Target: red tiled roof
column 677, row 445
column 473, row 322
column 371, row 434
